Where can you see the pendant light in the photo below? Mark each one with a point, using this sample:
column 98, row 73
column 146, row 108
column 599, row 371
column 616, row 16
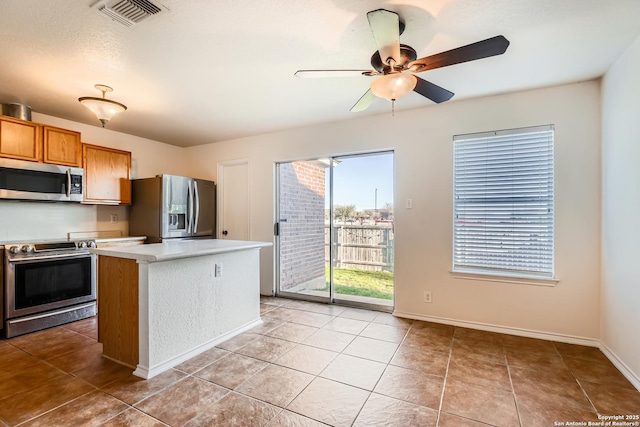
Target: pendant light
column 103, row 108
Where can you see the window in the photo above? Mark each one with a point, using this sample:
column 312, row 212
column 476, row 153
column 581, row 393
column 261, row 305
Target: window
column 503, row 202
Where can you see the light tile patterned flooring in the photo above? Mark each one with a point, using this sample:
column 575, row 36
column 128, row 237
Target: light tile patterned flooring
column 310, row 365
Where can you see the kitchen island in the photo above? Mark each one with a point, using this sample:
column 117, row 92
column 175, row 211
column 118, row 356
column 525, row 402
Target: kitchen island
column 163, row 303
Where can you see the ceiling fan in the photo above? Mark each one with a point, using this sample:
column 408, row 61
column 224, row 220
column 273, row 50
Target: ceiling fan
column 395, row 63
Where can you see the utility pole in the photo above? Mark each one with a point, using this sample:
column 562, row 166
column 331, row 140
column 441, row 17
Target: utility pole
column 375, row 203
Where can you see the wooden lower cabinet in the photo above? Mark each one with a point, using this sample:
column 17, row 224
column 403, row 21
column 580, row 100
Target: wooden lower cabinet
column 1, row 290
column 106, row 175
column 118, row 309
column 61, row 146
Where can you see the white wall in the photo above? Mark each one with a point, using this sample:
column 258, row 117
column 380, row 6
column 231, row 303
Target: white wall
column 620, row 321
column 578, row 306
column 422, row 140
column 35, row 220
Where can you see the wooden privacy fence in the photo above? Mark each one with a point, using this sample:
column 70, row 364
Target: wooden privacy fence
column 367, row 247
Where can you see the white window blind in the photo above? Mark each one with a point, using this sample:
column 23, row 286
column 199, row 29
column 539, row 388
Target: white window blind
column 503, row 202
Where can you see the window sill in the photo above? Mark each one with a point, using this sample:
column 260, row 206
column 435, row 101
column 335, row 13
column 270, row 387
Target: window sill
column 505, row 278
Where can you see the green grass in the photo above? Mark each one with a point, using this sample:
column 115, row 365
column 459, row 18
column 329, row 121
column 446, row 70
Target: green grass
column 364, row 283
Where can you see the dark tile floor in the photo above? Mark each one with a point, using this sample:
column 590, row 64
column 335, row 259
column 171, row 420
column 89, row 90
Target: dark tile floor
column 311, row 365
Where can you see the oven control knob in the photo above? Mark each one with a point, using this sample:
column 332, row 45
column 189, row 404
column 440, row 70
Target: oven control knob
column 92, row 244
column 27, row 249
column 82, row 245
column 14, row 249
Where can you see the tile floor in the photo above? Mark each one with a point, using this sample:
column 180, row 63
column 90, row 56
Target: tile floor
column 311, row 365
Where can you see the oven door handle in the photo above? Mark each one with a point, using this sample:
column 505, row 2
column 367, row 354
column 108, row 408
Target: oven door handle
column 48, row 257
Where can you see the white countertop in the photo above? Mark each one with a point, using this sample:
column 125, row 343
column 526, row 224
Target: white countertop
column 74, row 239
column 119, row 239
column 170, row 250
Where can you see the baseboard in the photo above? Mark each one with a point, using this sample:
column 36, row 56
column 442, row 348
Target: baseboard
column 150, row 372
column 622, row 367
column 569, row 339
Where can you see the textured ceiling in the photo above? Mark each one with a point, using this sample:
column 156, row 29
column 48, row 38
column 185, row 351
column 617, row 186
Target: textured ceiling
column 208, row 71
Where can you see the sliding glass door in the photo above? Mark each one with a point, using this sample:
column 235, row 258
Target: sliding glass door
column 335, row 229
column 362, row 229
column 302, row 197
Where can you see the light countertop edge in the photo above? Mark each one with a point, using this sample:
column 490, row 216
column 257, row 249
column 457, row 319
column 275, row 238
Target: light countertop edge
column 63, row 239
column 119, row 239
column 172, row 250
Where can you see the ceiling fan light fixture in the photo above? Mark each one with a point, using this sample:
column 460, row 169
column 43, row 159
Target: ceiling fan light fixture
column 393, row 86
column 103, row 108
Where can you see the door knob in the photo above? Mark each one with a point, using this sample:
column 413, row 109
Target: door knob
column 225, row 232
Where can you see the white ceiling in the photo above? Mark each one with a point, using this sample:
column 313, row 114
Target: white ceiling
column 208, row 71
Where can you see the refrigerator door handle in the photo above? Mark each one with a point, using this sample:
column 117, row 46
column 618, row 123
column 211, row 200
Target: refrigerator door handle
column 197, row 209
column 189, row 207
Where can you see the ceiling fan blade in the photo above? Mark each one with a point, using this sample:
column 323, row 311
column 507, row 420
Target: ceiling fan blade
column 385, row 26
column 483, row 49
column 434, row 92
column 364, row 102
column 312, row 74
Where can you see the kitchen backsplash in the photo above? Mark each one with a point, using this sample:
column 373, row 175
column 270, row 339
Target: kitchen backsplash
column 37, row 220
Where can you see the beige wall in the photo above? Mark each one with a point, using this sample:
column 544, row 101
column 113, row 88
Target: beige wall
column 585, row 303
column 422, row 140
column 33, row 220
column 620, row 321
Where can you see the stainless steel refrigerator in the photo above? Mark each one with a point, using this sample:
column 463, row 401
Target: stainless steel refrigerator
column 172, row 207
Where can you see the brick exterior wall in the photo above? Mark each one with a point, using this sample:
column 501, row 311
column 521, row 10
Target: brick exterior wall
column 302, row 191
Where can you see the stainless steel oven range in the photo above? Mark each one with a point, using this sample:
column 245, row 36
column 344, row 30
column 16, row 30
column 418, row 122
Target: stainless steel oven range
column 47, row 284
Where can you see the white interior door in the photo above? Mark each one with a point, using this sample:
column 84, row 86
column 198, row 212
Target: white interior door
column 233, row 199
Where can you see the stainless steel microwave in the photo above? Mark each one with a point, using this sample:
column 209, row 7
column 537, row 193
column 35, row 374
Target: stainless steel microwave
column 23, row 180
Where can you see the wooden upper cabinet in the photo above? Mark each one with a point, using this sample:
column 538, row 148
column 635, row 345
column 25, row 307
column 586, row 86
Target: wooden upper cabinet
column 61, row 146
column 106, row 175
column 20, row 139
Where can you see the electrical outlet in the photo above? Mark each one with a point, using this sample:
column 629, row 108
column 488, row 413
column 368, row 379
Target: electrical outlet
column 218, row 270
column 427, row 297
column 114, row 218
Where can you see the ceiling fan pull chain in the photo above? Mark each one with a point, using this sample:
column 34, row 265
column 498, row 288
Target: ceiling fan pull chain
column 393, row 108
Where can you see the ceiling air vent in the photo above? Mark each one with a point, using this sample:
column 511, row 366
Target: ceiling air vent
column 129, row 12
